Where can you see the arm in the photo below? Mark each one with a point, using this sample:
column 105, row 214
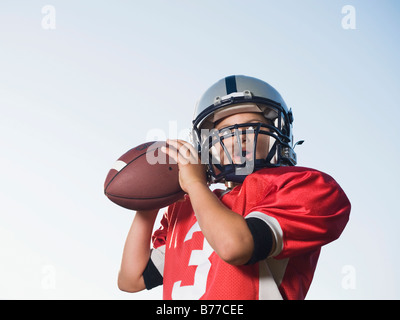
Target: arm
column 136, row 252
column 226, row 231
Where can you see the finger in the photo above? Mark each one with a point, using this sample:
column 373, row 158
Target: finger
column 180, row 151
column 172, row 153
column 173, row 150
column 176, row 152
column 187, row 153
column 189, row 146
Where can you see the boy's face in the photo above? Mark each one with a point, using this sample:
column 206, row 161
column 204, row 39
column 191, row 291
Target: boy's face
column 242, row 150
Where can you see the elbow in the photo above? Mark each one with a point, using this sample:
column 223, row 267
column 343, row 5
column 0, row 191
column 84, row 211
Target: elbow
column 236, row 253
column 235, row 260
column 130, row 286
column 126, row 288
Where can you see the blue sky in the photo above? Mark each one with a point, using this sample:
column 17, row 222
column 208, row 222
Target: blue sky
column 109, row 76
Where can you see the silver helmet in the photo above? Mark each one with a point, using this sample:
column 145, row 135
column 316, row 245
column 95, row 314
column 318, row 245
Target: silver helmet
column 240, row 94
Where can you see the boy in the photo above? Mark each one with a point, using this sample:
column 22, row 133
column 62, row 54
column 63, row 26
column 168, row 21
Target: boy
column 259, row 239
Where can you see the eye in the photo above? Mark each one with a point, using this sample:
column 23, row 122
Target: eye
column 226, row 132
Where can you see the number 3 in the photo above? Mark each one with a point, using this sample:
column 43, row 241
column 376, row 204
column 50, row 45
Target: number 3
column 198, row 258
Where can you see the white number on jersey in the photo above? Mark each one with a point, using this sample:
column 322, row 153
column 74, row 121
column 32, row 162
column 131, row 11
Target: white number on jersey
column 198, row 258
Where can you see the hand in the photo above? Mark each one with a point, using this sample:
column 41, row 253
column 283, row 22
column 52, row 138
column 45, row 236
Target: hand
column 191, row 171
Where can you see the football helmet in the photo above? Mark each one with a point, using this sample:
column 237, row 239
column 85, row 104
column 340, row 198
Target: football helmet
column 233, row 152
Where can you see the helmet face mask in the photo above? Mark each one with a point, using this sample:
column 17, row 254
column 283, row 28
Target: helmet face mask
column 232, row 152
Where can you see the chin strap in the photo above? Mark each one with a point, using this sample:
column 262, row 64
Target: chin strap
column 236, row 177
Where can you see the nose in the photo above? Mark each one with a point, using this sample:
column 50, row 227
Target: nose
column 246, row 137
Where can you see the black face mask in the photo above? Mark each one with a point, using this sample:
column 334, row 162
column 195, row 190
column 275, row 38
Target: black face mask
column 245, row 162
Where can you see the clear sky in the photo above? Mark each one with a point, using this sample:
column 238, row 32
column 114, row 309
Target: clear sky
column 107, row 76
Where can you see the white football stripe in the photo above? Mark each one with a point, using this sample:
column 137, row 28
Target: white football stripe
column 119, row 165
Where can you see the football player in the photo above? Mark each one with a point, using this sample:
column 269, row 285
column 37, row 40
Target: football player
column 262, row 236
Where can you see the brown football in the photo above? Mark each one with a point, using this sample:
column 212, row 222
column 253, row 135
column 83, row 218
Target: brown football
column 141, row 179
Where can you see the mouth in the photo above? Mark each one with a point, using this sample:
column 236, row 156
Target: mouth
column 242, row 156
column 246, row 153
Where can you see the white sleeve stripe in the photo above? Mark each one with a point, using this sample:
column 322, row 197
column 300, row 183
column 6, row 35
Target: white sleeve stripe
column 157, row 257
column 268, row 289
column 275, row 228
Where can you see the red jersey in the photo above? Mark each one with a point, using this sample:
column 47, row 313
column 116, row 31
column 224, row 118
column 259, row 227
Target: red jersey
column 304, row 208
